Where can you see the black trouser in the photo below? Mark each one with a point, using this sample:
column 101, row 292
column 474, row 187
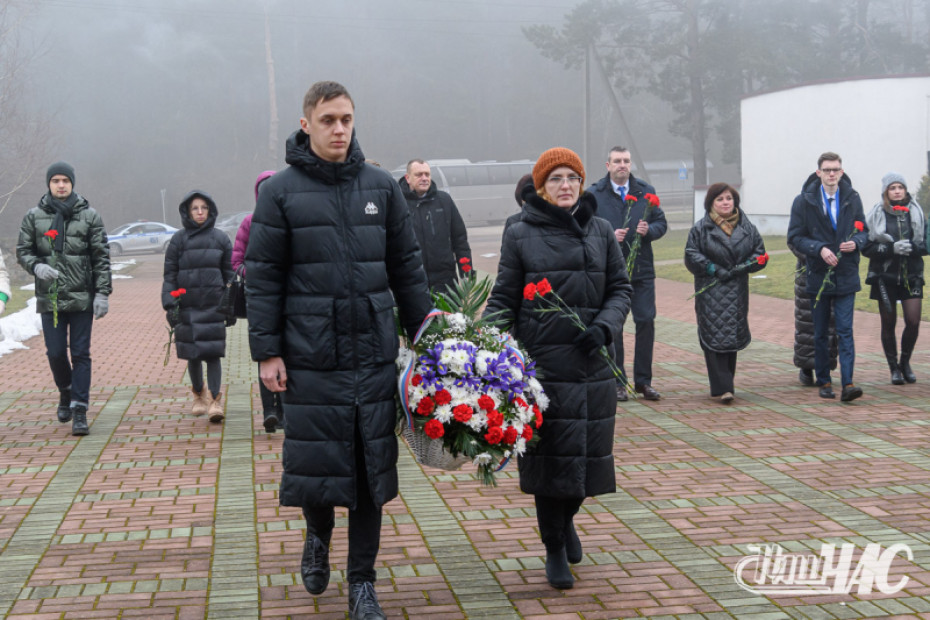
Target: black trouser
column 643, row 311
column 214, row 374
column 72, row 333
column 364, row 524
column 553, row 516
column 721, row 368
column 270, row 400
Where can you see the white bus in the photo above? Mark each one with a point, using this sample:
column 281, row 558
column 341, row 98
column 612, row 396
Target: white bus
column 483, row 191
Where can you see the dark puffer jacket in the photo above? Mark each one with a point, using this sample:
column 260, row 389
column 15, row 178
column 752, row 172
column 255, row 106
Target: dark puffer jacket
column 198, row 259
column 809, row 230
column 884, row 230
column 615, row 211
column 581, row 259
column 330, row 249
column 440, row 233
column 723, row 309
column 804, row 320
column 84, row 265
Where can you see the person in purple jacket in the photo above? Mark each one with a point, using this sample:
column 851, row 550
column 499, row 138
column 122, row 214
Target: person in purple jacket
column 272, row 411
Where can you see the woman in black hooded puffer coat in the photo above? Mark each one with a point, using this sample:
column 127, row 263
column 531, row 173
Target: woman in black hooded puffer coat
column 198, row 260
column 558, row 238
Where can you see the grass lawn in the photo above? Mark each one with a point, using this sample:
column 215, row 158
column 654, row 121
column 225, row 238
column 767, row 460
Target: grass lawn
column 778, row 272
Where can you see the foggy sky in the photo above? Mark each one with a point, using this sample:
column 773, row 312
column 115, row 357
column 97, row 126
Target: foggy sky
column 152, row 94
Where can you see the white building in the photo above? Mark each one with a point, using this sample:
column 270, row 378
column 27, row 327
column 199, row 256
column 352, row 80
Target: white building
column 876, row 125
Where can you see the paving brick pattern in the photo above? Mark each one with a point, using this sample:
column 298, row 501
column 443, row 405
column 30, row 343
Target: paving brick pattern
column 157, row 514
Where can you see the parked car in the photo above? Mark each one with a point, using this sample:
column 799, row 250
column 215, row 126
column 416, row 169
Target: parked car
column 230, row 224
column 140, row 237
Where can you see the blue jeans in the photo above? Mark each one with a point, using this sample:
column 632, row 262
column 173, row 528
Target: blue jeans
column 842, row 310
column 73, row 374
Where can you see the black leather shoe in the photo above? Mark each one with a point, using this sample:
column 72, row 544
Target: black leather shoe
column 79, row 426
column 850, row 392
column 826, row 391
column 270, row 421
column 897, row 378
column 314, row 565
column 906, row 371
column 363, row 602
column 622, row 395
column 573, row 551
column 558, row 573
column 648, row 392
column 806, row 377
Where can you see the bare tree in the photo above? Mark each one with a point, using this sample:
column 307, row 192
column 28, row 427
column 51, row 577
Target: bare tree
column 25, row 137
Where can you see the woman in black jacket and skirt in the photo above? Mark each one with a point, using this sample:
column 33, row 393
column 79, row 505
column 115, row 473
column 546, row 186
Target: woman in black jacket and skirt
column 896, row 247
column 723, row 248
column 558, row 238
column 198, row 260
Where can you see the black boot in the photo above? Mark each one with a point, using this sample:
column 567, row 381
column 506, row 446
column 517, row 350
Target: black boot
column 573, row 551
column 79, row 423
column 905, row 365
column 896, row 377
column 363, row 602
column 558, row 572
column 314, row 566
column 64, row 405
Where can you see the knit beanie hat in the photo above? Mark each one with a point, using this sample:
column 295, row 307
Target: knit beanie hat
column 59, row 167
column 552, row 159
column 892, row 177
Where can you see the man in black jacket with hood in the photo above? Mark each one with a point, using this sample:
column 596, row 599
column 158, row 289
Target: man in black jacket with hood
column 438, row 225
column 330, row 250
column 621, row 201
column 827, row 226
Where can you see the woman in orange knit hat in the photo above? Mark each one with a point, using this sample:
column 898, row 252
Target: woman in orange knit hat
column 557, row 238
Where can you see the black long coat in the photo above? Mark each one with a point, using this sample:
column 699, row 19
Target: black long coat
column 441, row 234
column 580, row 257
column 804, row 320
column 198, row 259
column 723, row 309
column 330, row 250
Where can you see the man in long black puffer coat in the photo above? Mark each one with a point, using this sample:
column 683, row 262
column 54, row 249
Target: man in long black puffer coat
column 330, row 250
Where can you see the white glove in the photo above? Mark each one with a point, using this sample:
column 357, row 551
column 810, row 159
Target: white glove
column 903, row 247
column 44, row 272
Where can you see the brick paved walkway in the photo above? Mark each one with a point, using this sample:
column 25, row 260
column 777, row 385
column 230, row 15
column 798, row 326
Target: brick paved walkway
column 160, row 515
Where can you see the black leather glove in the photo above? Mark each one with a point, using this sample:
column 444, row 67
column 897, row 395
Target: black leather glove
column 174, row 318
column 723, row 274
column 230, row 321
column 591, row 339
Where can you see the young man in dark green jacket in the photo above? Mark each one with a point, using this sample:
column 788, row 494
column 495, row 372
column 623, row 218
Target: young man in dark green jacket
column 63, row 243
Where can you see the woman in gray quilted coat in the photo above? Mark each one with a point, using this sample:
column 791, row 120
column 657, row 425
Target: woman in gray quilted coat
column 723, row 249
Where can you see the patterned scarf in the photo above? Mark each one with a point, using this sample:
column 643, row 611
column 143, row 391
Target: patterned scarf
column 726, row 223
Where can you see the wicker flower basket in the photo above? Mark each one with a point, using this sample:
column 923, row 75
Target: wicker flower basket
column 430, row 452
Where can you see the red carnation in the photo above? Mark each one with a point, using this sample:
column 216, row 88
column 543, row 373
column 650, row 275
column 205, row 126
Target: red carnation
column 543, row 287
column 520, row 402
column 486, row 402
column 417, row 380
column 434, row 429
column 495, row 418
column 426, row 406
column 652, row 199
column 182, row 291
column 763, row 259
column 462, row 413
column 901, row 208
column 630, row 198
column 52, row 234
column 529, row 291
column 539, row 418
column 443, row 397
column 859, row 225
column 177, row 292
column 527, row 432
column 466, row 268
column 464, row 260
column 494, row 435
column 510, row 435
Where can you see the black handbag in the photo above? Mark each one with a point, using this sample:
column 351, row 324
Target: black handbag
column 233, row 303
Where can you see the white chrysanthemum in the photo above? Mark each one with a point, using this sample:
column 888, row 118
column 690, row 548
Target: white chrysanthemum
column 477, row 422
column 482, row 459
column 443, row 413
column 542, row 401
column 457, row 322
column 418, row 392
column 404, row 357
column 460, row 395
column 519, row 448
